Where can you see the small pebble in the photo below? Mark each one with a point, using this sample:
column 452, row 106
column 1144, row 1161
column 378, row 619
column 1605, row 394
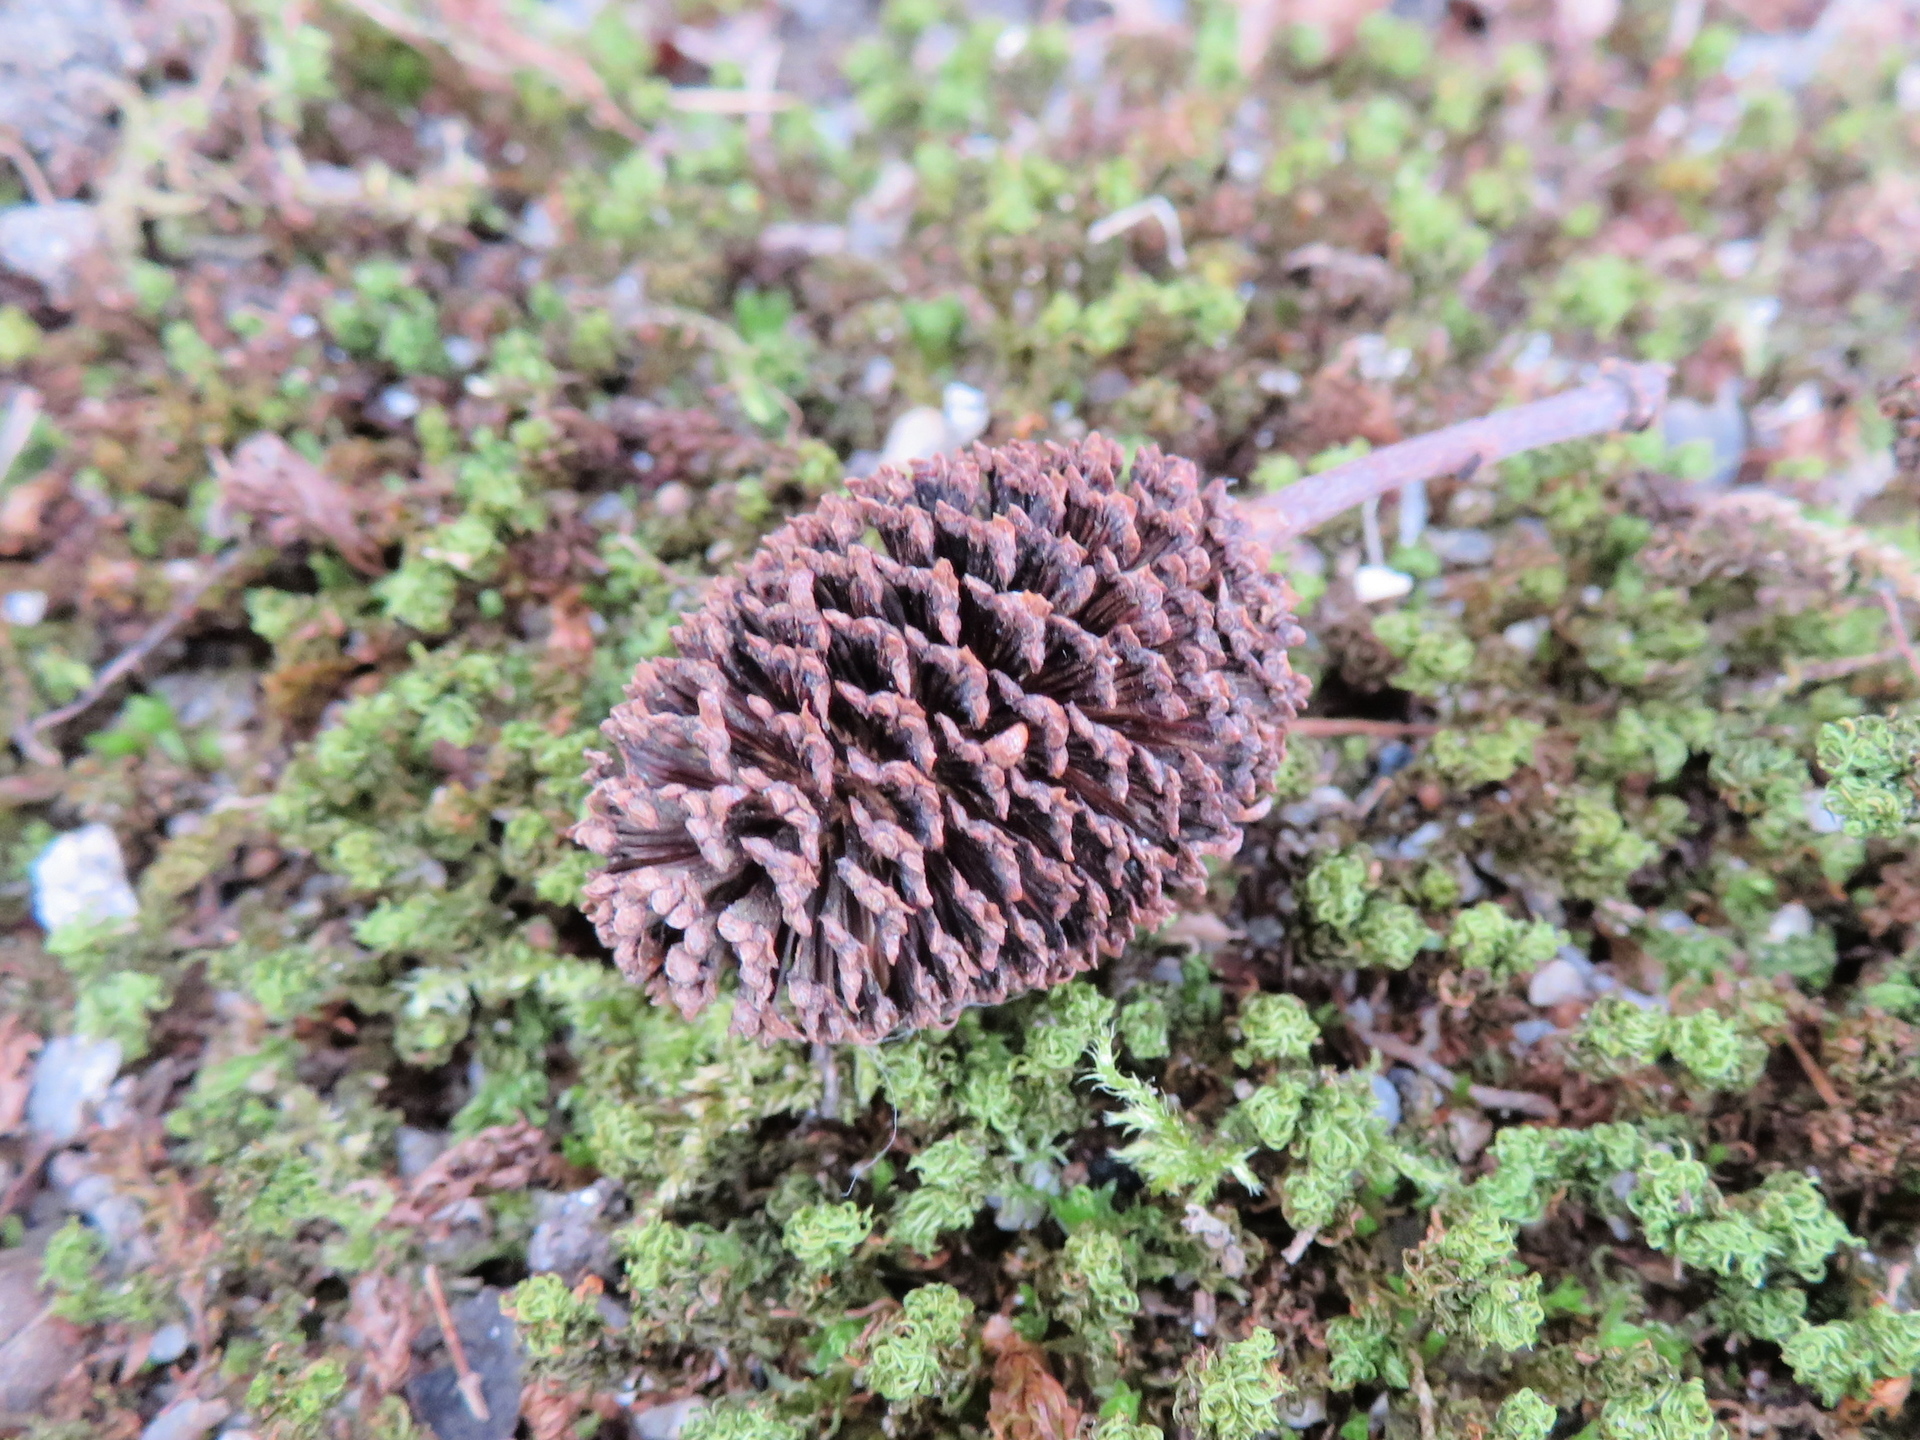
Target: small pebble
column 461, row 353
column 966, row 412
column 1374, row 583
column 665, row 1422
column 416, row 1149
column 81, row 876
column 397, row 403
column 1792, row 921
column 1461, row 547
column 1525, row 635
column 47, row 242
column 1303, row 1412
column 1386, row 1100
column 169, row 1343
column 672, row 500
column 71, row 1075
column 1529, row 1033
column 186, row 1419
column 24, row 607
column 916, row 434
column 1556, row 983
column 1822, row 820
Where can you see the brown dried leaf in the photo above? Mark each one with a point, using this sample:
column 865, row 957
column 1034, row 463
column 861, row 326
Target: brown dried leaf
column 296, row 499
column 382, row 1314
column 504, row 1157
column 1027, row 1402
column 18, row 1045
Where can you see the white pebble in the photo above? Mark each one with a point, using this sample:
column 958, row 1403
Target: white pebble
column 169, row 1343
column 1792, row 921
column 966, row 412
column 916, row 434
column 1386, row 1100
column 72, row 1075
column 81, row 876
column 1374, row 583
column 24, row 607
column 1525, row 635
column 1556, row 983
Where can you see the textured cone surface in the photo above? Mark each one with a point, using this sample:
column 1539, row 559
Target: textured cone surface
column 947, row 739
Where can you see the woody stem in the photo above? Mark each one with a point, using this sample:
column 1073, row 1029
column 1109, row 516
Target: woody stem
column 1624, row 397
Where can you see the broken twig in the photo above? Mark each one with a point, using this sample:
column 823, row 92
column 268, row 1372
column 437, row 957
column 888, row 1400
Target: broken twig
column 469, row 1384
column 1624, row 397
column 128, row 660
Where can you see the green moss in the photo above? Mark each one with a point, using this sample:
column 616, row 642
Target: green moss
column 927, row 1350
column 822, row 1237
column 1234, row 1393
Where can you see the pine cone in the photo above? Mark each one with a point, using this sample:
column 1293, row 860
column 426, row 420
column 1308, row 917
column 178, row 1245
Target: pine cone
column 947, row 739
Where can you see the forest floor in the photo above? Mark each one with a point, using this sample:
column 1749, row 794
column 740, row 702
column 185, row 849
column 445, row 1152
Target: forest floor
column 380, row 379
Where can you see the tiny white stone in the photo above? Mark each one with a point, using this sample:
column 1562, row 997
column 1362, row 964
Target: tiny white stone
column 966, row 412
column 1792, row 921
column 399, row 402
column 1386, row 1100
column 71, row 1074
column 1374, row 583
column 916, row 434
column 80, row 876
column 1462, row 547
column 1556, row 983
column 1525, row 635
column 24, row 607
column 461, row 353
column 169, row 1343
column 1822, row 820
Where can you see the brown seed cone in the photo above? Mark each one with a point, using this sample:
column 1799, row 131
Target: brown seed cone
column 947, row 739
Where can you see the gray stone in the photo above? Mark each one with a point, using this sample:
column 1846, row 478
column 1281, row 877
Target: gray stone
column 916, row 434
column 186, row 1419
column 46, row 243
column 493, row 1350
column 169, row 1343
column 1558, row 982
column 58, row 65
column 81, row 876
column 571, row 1238
column 665, row 1422
column 71, row 1075
column 1386, row 1100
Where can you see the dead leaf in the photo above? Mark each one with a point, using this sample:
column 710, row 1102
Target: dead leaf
column 1027, row 1402
column 296, row 499
column 23, row 514
column 37, row 1348
column 503, row 1157
column 382, row 1315
column 551, row 1410
column 18, row 1045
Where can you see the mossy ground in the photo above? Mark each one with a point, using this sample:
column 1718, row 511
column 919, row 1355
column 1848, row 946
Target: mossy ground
column 552, row 335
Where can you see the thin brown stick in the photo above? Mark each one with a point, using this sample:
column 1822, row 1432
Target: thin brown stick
column 128, row 660
column 1822, row 1083
column 470, row 1387
column 1890, row 602
column 1523, row 1102
column 23, row 413
column 39, row 190
column 1625, row 397
column 1341, row 725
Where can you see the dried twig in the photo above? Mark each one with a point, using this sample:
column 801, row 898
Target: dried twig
column 1422, row 1393
column 1818, row 1078
column 470, row 1387
column 1903, row 642
column 31, row 175
column 1490, row 1097
column 1342, row 725
column 23, row 412
column 1625, row 397
column 128, row 660
column 1154, row 207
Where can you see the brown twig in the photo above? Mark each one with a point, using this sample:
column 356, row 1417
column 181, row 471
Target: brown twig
column 1341, row 725
column 1903, row 642
column 1625, row 397
column 128, row 660
column 1422, row 1393
column 1490, row 1097
column 1818, row 1078
column 470, row 1387
column 23, row 413
column 31, row 175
